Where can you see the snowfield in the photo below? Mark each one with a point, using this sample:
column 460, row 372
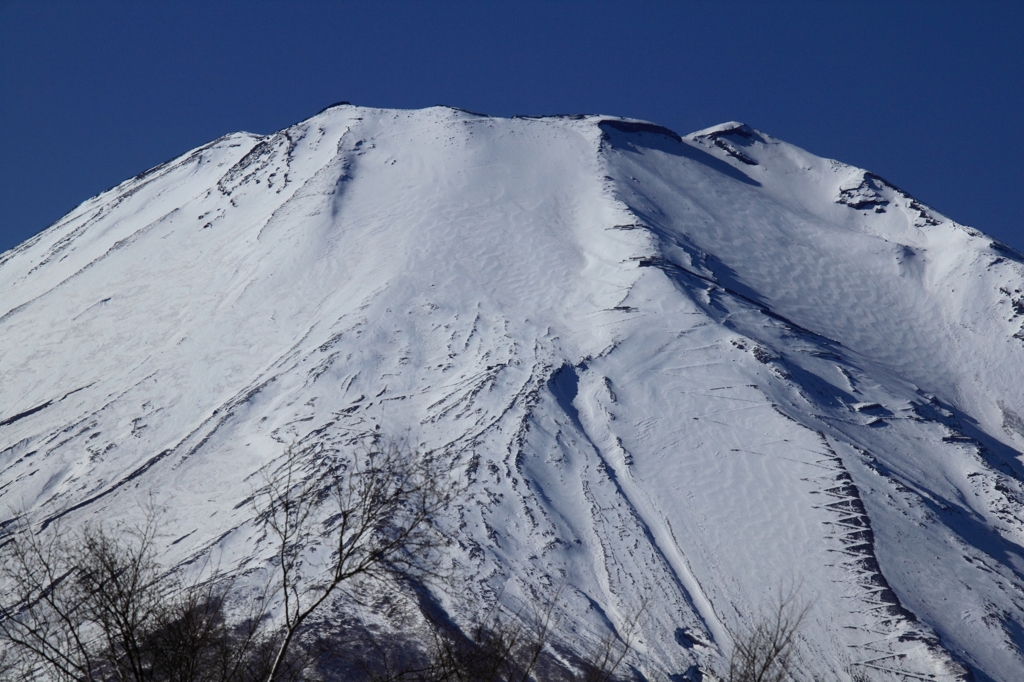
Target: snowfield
column 691, row 373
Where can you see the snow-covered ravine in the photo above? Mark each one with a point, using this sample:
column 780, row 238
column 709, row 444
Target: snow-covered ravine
column 689, row 372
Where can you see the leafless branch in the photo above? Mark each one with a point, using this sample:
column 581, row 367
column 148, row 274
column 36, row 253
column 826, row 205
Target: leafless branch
column 383, row 501
column 766, row 651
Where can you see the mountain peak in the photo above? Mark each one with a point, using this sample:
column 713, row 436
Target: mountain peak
column 728, row 128
column 680, row 372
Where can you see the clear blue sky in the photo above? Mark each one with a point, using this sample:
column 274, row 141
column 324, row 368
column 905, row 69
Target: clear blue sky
column 929, row 95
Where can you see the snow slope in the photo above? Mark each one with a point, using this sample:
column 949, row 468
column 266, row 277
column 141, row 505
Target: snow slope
column 691, row 373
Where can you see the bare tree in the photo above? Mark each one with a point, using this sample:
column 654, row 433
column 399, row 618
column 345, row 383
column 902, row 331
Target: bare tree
column 501, row 649
column 765, row 651
column 78, row 606
column 382, row 502
column 603, row 663
column 41, row 616
column 516, row 648
column 97, row 605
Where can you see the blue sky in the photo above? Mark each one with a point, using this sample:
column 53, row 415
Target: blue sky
column 927, row 94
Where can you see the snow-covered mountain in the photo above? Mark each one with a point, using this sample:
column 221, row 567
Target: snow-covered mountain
column 694, row 371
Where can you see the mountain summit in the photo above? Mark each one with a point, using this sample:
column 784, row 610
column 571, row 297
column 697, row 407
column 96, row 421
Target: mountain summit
column 685, row 372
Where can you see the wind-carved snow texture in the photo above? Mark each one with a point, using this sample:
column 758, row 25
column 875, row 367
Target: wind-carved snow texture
column 682, row 375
